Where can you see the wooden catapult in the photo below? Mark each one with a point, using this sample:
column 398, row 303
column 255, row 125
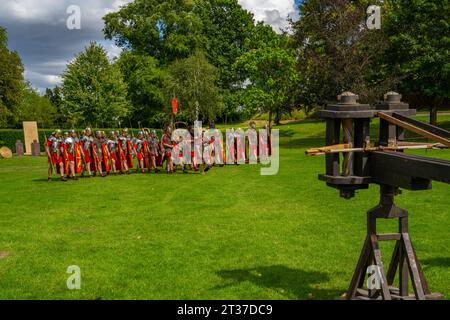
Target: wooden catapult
column 383, row 163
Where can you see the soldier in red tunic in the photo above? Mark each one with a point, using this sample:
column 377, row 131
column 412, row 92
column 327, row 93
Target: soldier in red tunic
column 166, row 142
column 112, row 150
column 97, row 152
column 86, row 144
column 122, row 146
column 138, row 146
column 153, row 148
column 70, row 152
column 53, row 149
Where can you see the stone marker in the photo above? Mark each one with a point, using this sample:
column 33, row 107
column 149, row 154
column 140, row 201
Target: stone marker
column 35, row 149
column 19, row 148
column 30, row 131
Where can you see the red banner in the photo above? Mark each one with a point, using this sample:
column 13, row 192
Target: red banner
column 175, row 105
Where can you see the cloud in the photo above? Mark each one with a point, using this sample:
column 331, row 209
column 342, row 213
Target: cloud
column 273, row 12
column 38, row 31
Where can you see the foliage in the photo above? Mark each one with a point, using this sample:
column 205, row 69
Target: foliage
column 194, row 82
column 11, row 81
column 56, row 98
column 337, row 52
column 419, row 36
column 166, row 30
column 271, row 71
column 35, row 107
column 94, row 90
column 144, row 80
column 226, row 26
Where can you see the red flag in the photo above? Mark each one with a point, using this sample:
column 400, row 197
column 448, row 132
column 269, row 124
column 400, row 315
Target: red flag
column 175, row 105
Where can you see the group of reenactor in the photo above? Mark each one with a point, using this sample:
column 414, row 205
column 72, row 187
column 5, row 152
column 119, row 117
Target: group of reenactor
column 87, row 155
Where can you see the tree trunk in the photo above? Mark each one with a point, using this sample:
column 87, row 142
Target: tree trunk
column 277, row 117
column 270, row 121
column 433, row 114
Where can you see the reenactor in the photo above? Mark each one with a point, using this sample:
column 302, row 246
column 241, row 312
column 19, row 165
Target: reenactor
column 97, row 153
column 122, row 146
column 146, row 149
column 166, row 142
column 54, row 143
column 87, row 143
column 105, row 153
column 138, row 146
column 70, row 154
column 154, row 148
column 112, row 151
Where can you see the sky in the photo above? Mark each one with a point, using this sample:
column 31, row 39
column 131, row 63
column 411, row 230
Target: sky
column 37, row 30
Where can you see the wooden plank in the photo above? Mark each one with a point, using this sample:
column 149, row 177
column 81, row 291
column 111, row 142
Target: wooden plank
column 379, row 263
column 425, row 126
column 389, row 236
column 413, row 269
column 415, row 129
column 360, row 270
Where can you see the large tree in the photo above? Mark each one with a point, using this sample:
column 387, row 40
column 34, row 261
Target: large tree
column 11, row 81
column 419, row 36
column 145, row 81
column 166, row 30
column 94, row 90
column 227, row 27
column 194, row 82
column 337, row 52
column 270, row 69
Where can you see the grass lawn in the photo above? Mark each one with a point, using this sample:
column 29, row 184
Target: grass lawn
column 231, row 234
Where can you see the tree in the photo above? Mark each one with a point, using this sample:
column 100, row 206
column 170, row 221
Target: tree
column 419, row 36
column 144, row 80
column 226, row 27
column 94, row 90
column 57, row 100
column 270, row 70
column 194, row 82
column 35, row 107
column 11, row 81
column 337, row 52
column 166, row 30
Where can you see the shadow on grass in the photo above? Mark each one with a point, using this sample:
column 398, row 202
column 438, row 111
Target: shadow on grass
column 443, row 262
column 294, row 283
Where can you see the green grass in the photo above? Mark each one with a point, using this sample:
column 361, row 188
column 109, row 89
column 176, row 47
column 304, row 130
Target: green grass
column 231, row 234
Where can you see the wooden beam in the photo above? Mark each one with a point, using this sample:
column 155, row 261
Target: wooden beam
column 415, row 129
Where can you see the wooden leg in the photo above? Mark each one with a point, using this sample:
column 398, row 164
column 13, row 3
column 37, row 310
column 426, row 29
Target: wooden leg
column 413, row 269
column 379, row 263
column 403, row 274
column 360, row 270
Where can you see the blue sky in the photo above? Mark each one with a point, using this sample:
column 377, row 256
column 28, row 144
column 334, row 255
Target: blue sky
column 37, row 30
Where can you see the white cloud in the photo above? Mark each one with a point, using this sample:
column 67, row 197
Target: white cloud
column 272, row 12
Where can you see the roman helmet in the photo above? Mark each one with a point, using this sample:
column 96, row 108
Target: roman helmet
column 88, row 131
column 58, row 133
column 73, row 133
column 112, row 134
column 125, row 131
